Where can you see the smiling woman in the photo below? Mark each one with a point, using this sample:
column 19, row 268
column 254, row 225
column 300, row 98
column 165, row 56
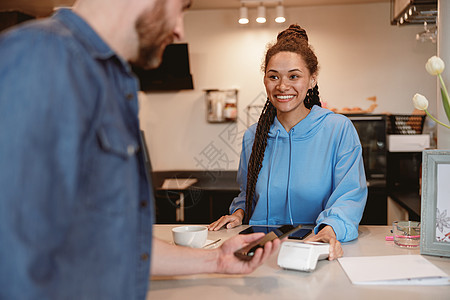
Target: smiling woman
column 301, row 163
column 287, row 82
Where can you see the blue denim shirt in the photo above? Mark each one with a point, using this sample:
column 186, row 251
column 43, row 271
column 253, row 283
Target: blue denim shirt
column 75, row 204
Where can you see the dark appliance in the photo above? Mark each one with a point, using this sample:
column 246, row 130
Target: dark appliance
column 372, row 134
column 11, row 18
column 173, row 73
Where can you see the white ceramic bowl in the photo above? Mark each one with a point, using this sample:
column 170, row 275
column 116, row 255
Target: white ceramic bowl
column 190, row 236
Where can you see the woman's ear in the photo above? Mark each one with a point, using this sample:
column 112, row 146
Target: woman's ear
column 313, row 82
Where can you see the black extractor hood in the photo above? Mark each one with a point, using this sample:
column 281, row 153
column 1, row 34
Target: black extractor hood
column 413, row 12
column 173, row 73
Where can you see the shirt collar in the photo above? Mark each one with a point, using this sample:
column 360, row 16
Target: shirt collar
column 84, row 33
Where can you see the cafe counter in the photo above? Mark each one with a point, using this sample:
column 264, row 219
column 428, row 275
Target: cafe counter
column 327, row 281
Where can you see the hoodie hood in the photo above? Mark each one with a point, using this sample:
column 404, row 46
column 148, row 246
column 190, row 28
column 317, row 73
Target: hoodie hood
column 306, row 128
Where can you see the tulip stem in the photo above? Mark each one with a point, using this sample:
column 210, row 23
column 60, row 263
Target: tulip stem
column 443, row 86
column 434, row 119
column 445, row 97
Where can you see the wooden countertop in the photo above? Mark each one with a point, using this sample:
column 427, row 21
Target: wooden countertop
column 328, row 281
column 207, row 180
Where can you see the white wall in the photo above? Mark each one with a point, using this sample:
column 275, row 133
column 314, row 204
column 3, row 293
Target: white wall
column 360, row 55
column 444, row 52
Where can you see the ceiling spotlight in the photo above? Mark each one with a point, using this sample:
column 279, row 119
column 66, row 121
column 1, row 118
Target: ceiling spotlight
column 243, row 19
column 280, row 14
column 261, row 13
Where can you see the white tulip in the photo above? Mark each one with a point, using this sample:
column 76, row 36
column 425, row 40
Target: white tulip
column 435, row 65
column 420, row 102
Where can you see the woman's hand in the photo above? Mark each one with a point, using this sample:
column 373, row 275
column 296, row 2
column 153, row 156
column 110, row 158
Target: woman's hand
column 327, row 235
column 229, row 221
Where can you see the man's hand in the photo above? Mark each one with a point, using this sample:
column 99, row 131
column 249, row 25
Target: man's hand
column 327, row 235
column 228, row 263
column 170, row 260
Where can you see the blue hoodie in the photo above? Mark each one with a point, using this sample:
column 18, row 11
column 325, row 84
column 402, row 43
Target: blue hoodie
column 313, row 174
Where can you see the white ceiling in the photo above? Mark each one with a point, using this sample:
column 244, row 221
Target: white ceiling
column 216, row 4
column 45, row 7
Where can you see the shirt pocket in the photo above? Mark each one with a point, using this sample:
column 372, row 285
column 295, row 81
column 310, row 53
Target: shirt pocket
column 113, row 171
column 112, row 140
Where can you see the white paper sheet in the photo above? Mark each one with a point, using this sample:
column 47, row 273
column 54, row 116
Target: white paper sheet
column 178, row 183
column 393, row 270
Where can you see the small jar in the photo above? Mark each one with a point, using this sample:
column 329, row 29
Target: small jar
column 230, row 109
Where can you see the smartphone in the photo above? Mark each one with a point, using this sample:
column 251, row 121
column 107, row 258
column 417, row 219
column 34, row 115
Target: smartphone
column 300, row 234
column 247, row 252
column 297, row 235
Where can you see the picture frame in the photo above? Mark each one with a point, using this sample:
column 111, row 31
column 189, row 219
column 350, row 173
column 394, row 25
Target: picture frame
column 435, row 205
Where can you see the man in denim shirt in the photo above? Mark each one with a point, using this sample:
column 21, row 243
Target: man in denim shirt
column 75, row 204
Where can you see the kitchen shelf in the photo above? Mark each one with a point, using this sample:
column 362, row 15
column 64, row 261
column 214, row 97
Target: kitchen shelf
column 410, row 201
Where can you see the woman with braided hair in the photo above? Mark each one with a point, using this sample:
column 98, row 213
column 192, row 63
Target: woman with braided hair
column 301, row 163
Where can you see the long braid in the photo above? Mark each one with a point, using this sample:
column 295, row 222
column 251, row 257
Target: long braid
column 255, row 162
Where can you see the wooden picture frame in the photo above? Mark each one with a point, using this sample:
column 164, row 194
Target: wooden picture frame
column 435, row 211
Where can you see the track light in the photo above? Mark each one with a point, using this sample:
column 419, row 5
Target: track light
column 243, row 19
column 261, row 16
column 260, row 6
column 280, row 14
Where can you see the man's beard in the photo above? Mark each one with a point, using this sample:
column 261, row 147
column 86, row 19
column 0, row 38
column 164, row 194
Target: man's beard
column 153, row 36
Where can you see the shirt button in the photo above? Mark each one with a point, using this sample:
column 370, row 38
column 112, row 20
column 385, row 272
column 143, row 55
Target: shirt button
column 129, row 96
column 131, row 150
column 144, row 204
column 144, row 256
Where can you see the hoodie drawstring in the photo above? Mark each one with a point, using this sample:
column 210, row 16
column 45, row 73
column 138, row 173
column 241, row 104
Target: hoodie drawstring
column 270, row 172
column 291, row 133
